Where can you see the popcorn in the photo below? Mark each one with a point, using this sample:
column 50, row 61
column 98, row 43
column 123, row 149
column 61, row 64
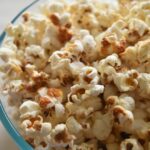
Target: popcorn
column 50, row 101
column 50, row 40
column 103, row 126
column 143, row 51
column 15, row 86
column 127, row 102
column 32, row 52
column 55, row 37
column 80, row 81
column 36, row 126
column 6, row 53
column 60, row 63
column 76, row 67
column 140, row 10
column 141, row 128
column 126, row 81
column 15, row 30
column 144, row 85
column 88, row 75
column 88, row 20
column 29, row 108
column 48, row 8
column 123, row 118
column 89, row 45
column 130, row 52
column 112, row 40
column 107, row 67
column 131, row 144
column 80, row 92
column 140, row 26
column 104, row 18
column 61, row 136
column 88, row 145
column 123, row 100
column 81, row 112
column 139, row 54
column 59, row 110
column 73, row 126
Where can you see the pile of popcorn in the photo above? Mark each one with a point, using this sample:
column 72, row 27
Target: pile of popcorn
column 78, row 75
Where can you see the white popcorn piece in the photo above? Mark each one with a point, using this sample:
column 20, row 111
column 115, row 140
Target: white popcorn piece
column 126, row 81
column 112, row 40
column 50, row 39
column 124, row 100
column 130, row 56
column 42, row 91
column 139, row 54
column 144, row 85
column 36, row 126
column 127, row 102
column 140, row 10
column 52, row 7
column 107, row 67
column 86, row 21
column 89, row 45
column 30, row 68
column 75, row 47
column 15, row 86
column 73, row 125
column 59, row 110
column 123, row 118
column 141, row 128
column 138, row 25
column 76, row 67
column 29, row 108
column 65, row 18
column 38, row 20
column 60, row 63
column 35, row 51
column 81, row 92
column 104, row 17
column 61, row 141
column 95, row 90
column 131, row 143
column 92, row 144
column 143, row 52
column 95, row 103
column 102, row 127
column 6, row 53
column 88, row 75
column 45, row 128
column 148, row 20
column 15, row 30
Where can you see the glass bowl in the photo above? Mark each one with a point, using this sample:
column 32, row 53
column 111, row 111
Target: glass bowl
column 5, row 112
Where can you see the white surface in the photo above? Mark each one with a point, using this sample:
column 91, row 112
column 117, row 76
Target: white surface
column 8, row 9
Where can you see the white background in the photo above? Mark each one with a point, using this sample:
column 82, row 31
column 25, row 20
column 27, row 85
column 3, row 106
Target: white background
column 8, row 9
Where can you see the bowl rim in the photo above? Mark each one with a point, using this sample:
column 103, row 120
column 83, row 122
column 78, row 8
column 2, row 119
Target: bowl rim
column 8, row 125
